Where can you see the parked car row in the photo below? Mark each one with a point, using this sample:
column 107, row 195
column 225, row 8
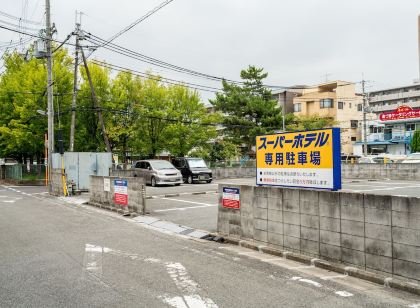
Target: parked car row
column 413, row 158
column 182, row 170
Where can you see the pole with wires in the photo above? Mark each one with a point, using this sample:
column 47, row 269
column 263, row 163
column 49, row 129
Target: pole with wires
column 365, row 149
column 74, row 98
column 49, row 92
column 95, row 103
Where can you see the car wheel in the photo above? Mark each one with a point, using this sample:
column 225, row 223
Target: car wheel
column 209, row 181
column 177, row 184
column 153, row 182
column 190, row 179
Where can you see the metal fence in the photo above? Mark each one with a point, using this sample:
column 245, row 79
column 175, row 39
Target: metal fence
column 25, row 172
column 231, row 164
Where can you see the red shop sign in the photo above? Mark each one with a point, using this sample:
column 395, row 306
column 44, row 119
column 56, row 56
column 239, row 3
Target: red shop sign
column 401, row 113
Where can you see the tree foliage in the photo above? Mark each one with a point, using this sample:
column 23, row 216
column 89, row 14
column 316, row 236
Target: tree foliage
column 248, row 109
column 22, row 93
column 298, row 123
column 142, row 116
column 415, row 142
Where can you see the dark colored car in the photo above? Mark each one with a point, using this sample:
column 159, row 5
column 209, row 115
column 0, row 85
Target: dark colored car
column 193, row 169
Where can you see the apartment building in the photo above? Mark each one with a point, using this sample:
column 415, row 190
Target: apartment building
column 398, row 112
column 390, row 99
column 339, row 101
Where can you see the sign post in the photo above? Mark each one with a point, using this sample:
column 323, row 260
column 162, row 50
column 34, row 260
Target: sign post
column 307, row 159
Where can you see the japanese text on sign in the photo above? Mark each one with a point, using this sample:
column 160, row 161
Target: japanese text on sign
column 303, row 159
column 121, row 192
column 230, row 198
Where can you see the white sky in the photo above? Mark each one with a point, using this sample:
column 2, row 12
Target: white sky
column 295, row 41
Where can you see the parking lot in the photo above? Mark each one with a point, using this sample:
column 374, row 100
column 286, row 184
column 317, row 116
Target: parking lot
column 195, row 205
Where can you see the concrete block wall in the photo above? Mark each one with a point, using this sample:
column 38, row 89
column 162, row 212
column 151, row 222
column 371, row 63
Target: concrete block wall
column 121, row 173
column 373, row 232
column 234, row 172
column 56, row 182
column 136, row 193
column 394, row 171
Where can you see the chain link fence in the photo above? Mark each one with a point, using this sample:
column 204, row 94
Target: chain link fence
column 25, row 172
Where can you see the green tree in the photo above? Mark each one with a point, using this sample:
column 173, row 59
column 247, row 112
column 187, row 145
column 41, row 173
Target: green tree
column 248, row 109
column 88, row 136
column 191, row 127
column 223, row 150
column 415, row 142
column 22, row 93
column 297, row 123
column 125, row 96
column 148, row 135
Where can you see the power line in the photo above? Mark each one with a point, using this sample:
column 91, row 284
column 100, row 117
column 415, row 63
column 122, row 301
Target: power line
column 20, row 19
column 157, row 78
column 141, row 19
column 159, row 63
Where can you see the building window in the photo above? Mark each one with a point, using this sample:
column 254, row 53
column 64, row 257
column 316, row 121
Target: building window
column 359, row 107
column 410, row 127
column 340, row 105
column 353, row 138
column 353, row 123
column 326, row 103
column 297, row 107
column 349, row 105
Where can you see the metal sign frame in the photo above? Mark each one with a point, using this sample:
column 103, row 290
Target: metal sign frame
column 336, row 159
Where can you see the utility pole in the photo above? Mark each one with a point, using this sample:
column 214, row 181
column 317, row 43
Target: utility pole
column 365, row 151
column 74, row 99
column 95, row 103
column 49, row 92
column 283, row 110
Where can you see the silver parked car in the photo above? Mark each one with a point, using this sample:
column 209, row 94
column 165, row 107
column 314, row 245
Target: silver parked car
column 157, row 172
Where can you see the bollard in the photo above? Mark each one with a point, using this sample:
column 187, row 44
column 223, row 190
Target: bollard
column 385, row 160
column 143, row 198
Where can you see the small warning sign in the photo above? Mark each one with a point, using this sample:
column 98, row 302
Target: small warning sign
column 231, row 198
column 121, row 192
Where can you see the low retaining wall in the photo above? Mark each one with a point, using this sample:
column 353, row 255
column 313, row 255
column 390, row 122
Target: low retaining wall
column 236, row 172
column 381, row 171
column 122, row 173
column 373, row 232
column 136, row 194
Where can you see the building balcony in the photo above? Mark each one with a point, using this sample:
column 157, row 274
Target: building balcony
column 394, row 96
column 391, row 107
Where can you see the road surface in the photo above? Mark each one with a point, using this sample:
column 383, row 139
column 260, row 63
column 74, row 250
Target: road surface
column 56, row 254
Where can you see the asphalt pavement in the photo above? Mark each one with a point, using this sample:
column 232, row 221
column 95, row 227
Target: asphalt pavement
column 57, row 254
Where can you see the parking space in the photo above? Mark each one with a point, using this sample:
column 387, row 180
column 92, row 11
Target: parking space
column 195, row 205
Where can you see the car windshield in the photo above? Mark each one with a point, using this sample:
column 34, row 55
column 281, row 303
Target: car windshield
column 161, row 164
column 196, row 163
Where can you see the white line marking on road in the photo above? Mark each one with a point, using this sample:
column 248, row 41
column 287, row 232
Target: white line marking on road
column 188, row 286
column 185, row 208
column 92, row 261
column 344, row 293
column 414, row 306
column 314, row 283
column 187, row 201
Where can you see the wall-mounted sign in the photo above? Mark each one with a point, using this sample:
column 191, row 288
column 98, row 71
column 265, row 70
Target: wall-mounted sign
column 107, row 184
column 401, row 113
column 231, row 198
column 121, row 192
column 309, row 159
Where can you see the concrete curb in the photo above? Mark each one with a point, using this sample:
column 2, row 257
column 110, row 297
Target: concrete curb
column 394, row 283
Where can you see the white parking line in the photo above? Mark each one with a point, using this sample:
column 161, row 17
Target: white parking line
column 201, row 205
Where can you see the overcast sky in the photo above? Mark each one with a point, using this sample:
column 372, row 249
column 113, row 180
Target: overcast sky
column 295, row 41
